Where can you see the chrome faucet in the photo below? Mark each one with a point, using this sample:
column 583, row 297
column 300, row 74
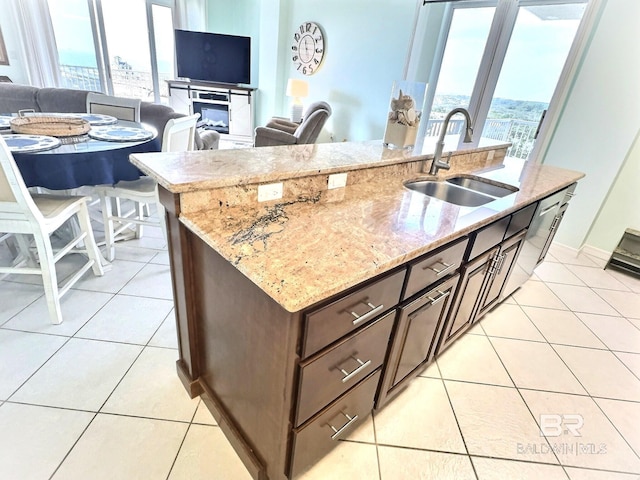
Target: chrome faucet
column 438, row 163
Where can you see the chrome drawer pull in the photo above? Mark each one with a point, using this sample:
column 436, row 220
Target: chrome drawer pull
column 349, row 375
column 442, row 296
column 548, row 209
column 447, row 268
column 338, row 431
column 362, row 318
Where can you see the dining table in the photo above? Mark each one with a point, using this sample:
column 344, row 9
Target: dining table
column 84, row 160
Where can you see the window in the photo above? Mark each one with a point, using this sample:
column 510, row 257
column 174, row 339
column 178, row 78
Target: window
column 101, row 49
column 500, row 59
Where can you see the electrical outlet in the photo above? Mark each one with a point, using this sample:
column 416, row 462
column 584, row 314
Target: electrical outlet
column 491, row 154
column 337, row 180
column 271, row 191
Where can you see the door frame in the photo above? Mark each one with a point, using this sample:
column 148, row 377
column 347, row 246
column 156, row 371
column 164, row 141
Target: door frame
column 493, row 58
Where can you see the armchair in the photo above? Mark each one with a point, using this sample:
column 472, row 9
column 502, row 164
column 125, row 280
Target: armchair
column 279, row 131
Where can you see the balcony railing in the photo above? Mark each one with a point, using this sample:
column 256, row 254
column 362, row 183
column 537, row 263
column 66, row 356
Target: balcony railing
column 126, row 83
column 520, row 133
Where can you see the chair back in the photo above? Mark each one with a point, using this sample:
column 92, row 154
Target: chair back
column 179, row 134
column 119, row 107
column 315, row 106
column 311, row 126
column 18, row 211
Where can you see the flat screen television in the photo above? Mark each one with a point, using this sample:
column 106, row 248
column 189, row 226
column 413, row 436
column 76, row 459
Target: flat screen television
column 213, row 57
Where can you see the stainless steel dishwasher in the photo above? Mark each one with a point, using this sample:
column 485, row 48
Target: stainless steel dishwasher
column 544, row 225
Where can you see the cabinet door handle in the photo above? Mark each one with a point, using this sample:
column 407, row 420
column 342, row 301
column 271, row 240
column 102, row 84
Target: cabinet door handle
column 548, row 209
column 442, row 296
column 501, row 259
column 371, row 313
column 338, row 431
column 349, row 375
column 447, row 268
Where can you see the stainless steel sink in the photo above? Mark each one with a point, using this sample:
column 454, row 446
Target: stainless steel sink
column 463, row 190
column 482, row 185
column 449, row 193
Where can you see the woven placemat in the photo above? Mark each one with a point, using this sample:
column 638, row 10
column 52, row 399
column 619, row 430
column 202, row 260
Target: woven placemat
column 51, row 126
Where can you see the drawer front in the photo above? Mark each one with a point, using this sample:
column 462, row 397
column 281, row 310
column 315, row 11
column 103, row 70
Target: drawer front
column 489, row 237
column 434, row 267
column 342, row 367
column 328, row 324
column 520, row 220
column 335, row 423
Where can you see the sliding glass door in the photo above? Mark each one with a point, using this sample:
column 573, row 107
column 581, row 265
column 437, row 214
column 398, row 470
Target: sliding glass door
column 540, row 42
column 500, row 59
column 120, row 47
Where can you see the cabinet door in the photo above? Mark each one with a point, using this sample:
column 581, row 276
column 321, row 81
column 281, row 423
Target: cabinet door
column 240, row 119
column 506, row 260
column 421, row 321
column 469, row 293
column 416, row 336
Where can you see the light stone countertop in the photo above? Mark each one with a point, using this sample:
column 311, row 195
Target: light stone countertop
column 303, row 250
column 182, row 172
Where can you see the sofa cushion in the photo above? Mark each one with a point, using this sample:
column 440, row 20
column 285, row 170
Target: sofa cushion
column 14, row 97
column 63, row 100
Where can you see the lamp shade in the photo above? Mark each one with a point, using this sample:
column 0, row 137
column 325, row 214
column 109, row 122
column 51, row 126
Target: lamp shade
column 297, row 88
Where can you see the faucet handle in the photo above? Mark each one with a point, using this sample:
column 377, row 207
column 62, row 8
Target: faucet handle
column 446, row 165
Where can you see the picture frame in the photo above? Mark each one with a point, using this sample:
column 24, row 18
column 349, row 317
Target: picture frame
column 4, row 58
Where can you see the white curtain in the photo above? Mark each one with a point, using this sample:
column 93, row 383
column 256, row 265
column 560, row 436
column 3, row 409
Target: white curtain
column 191, row 15
column 39, row 50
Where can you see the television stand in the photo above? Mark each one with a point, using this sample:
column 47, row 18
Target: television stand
column 227, row 109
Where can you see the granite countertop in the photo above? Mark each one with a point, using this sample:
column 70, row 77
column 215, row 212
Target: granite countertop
column 302, row 250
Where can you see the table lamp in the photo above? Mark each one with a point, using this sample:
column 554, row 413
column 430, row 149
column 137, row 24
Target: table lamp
column 297, row 89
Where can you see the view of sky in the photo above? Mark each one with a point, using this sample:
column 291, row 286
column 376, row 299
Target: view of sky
column 125, row 38
column 536, row 54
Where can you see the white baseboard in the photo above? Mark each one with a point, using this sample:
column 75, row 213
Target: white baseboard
column 568, row 250
column 596, row 252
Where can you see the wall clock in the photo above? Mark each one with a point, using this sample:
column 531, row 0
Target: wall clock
column 307, row 50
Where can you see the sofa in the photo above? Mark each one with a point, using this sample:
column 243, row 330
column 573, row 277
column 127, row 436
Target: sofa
column 15, row 97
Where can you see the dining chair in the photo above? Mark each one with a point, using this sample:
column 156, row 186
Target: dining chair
column 41, row 215
column 119, row 107
column 179, row 135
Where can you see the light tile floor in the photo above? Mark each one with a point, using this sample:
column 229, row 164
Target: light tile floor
column 98, row 396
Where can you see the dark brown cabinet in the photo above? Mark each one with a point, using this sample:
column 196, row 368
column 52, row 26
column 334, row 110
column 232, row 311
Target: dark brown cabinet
column 416, row 336
column 472, row 280
column 504, row 264
column 285, row 386
column 329, row 375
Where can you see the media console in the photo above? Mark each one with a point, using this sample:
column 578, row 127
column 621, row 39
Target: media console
column 230, row 110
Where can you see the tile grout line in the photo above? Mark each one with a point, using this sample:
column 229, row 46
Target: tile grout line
column 453, row 410
column 523, row 399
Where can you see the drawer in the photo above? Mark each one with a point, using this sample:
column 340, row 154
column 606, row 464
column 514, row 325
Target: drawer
column 328, row 324
column 313, row 441
column 342, row 367
column 489, row 236
column 435, row 266
column 520, row 220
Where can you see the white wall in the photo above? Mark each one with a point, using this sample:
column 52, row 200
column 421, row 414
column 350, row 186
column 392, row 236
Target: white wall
column 366, row 43
column 14, row 70
column 621, row 208
column 600, row 120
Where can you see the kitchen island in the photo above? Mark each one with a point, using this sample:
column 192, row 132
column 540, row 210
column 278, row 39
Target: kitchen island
column 297, row 316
